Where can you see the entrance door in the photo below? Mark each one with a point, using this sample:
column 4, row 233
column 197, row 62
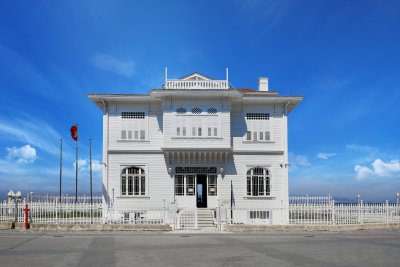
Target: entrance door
column 201, row 192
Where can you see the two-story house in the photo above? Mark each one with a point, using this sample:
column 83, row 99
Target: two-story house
column 199, row 143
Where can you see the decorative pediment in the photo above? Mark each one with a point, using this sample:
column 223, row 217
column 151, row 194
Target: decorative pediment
column 196, row 80
column 195, row 76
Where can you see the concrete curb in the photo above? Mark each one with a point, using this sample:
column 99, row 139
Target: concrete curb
column 308, row 228
column 227, row 228
column 85, row 227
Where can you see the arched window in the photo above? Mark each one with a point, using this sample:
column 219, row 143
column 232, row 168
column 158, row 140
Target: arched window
column 258, row 182
column 133, row 181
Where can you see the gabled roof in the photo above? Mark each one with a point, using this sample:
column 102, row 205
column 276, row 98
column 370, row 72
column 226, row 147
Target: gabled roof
column 196, row 75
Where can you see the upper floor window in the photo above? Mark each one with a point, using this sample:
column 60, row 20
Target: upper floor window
column 133, row 181
column 133, row 125
column 132, row 115
column 212, row 111
column 196, row 111
column 181, row 110
column 197, row 123
column 258, row 127
column 258, row 182
column 257, row 116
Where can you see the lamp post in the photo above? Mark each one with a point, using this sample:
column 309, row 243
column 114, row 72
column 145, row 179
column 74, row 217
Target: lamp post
column 358, row 199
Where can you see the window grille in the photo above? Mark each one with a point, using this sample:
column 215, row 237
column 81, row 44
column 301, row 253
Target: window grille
column 257, row 116
column 259, row 214
column 258, row 136
column 190, row 186
column 181, row 110
column 196, row 170
column 196, row 111
column 132, row 115
column 212, row 111
column 258, row 182
column 212, row 185
column 133, row 181
column 179, row 185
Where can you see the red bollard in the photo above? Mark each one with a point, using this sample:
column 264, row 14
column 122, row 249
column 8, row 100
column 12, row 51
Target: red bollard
column 26, row 210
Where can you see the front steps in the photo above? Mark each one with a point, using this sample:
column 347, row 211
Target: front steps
column 205, row 219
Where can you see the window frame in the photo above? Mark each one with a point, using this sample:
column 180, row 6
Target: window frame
column 258, row 186
column 197, row 124
column 258, row 127
column 136, row 181
column 133, row 127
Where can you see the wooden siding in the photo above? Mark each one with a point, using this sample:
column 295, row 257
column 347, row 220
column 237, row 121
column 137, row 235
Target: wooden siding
column 160, row 123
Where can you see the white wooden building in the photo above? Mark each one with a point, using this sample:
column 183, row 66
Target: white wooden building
column 199, row 143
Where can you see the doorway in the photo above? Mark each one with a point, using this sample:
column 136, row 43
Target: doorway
column 201, row 192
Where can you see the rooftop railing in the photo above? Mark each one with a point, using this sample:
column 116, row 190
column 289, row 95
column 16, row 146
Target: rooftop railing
column 180, row 84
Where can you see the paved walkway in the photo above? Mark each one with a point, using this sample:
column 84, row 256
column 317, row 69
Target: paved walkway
column 359, row 248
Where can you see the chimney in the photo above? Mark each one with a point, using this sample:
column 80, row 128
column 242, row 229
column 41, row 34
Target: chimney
column 263, row 84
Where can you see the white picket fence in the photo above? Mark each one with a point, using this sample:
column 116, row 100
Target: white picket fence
column 52, row 212
column 64, row 198
column 186, row 219
column 342, row 214
column 303, row 210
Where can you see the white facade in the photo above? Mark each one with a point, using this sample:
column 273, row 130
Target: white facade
column 198, row 143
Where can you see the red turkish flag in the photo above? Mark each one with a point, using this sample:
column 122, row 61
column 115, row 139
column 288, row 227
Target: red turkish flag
column 74, row 132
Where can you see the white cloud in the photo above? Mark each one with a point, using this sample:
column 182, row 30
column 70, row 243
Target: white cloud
column 322, row 155
column 358, row 148
column 379, row 168
column 297, row 161
column 30, row 130
column 362, row 172
column 84, row 166
column 25, row 154
column 110, row 63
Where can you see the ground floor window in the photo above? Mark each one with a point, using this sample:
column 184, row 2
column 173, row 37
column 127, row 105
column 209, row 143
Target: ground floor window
column 258, row 182
column 133, row 181
column 259, row 214
column 185, row 180
column 179, row 185
column 212, row 185
column 185, row 183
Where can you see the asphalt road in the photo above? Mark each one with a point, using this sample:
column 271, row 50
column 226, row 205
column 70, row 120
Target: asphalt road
column 362, row 248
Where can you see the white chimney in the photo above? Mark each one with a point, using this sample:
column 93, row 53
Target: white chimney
column 262, row 84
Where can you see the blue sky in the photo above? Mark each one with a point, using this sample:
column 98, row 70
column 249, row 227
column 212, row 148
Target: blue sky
column 342, row 56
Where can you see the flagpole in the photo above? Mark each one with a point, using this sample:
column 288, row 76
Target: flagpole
column 91, row 194
column 60, row 167
column 76, row 171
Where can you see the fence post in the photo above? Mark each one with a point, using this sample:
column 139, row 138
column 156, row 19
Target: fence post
column 333, row 211
column 362, row 211
column 387, row 211
column 195, row 219
column 16, row 209
column 57, row 210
